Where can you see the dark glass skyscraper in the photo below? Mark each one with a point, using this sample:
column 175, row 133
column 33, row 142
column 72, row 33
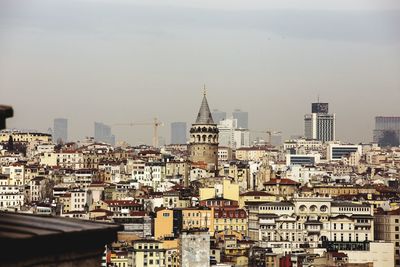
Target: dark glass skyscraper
column 387, row 131
column 242, row 118
column 60, row 130
column 178, row 133
column 320, row 108
column 218, row 116
column 102, row 133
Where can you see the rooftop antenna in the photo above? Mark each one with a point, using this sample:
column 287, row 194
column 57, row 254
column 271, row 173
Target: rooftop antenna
column 318, row 98
column 204, row 90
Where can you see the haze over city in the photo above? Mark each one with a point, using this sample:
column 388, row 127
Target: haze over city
column 123, row 61
column 200, row 133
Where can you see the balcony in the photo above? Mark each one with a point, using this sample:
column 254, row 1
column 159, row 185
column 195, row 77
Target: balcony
column 362, row 224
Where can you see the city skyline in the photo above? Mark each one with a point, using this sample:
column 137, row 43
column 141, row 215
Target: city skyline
column 107, row 60
column 187, row 133
column 124, row 134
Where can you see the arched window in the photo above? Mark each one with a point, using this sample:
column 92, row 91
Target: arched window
column 324, row 208
column 313, row 208
column 303, row 208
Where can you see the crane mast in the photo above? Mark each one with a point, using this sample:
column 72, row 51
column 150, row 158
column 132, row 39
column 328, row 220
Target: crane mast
column 155, row 123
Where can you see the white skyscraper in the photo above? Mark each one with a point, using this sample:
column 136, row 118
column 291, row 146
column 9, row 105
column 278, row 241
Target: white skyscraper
column 319, row 125
column 232, row 136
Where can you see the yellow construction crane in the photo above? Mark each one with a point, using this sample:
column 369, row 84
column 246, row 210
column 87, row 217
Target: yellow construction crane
column 269, row 134
column 155, row 123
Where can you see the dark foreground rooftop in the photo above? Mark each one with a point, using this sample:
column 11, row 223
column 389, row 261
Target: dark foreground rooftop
column 5, row 112
column 51, row 241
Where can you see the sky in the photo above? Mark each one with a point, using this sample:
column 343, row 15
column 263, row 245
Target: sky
column 122, row 61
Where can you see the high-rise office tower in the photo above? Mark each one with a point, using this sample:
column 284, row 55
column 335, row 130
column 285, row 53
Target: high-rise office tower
column 387, row 131
column 320, row 125
column 218, row 116
column 178, row 133
column 242, row 118
column 231, row 136
column 60, row 130
column 102, row 133
column 320, row 108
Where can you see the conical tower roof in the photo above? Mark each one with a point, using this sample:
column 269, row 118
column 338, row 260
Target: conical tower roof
column 204, row 116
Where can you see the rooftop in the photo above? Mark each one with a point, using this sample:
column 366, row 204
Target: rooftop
column 39, row 236
column 204, row 115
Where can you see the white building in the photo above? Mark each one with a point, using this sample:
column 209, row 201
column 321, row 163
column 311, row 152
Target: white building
column 303, row 160
column 138, row 170
column 37, row 188
column 36, row 148
column 16, row 174
column 195, row 249
column 81, row 199
column 232, row 136
column 336, row 152
column 308, row 145
column 241, row 138
column 224, row 153
column 73, row 159
column 197, row 173
column 320, row 126
column 310, row 221
column 304, row 174
column 115, row 169
column 154, row 173
column 11, row 196
column 380, row 253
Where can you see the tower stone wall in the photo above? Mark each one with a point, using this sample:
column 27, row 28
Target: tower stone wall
column 203, row 147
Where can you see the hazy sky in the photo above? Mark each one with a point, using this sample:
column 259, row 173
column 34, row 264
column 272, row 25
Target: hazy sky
column 119, row 61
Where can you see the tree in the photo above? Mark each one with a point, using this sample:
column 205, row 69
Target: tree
column 60, row 141
column 46, row 192
column 10, row 144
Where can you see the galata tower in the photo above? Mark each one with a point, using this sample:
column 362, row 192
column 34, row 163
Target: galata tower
column 203, row 147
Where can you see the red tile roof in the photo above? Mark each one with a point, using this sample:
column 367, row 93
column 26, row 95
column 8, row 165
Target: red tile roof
column 255, row 194
column 282, row 181
column 117, row 203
